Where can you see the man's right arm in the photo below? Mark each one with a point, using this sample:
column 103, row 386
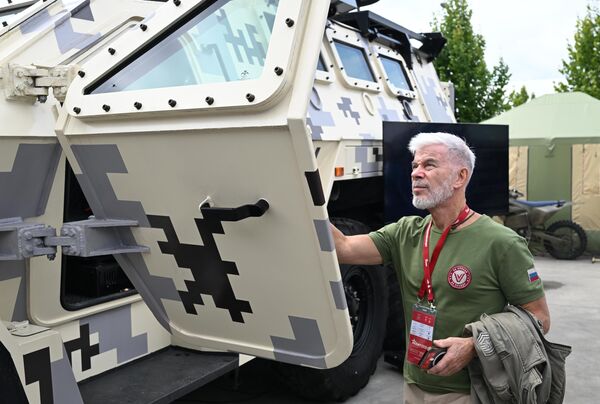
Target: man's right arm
column 359, row 249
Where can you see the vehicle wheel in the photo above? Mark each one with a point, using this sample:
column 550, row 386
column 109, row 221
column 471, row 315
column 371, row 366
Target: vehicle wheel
column 394, row 345
column 574, row 240
column 366, row 295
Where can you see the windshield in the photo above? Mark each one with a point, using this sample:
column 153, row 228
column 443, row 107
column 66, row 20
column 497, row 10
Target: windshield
column 226, row 41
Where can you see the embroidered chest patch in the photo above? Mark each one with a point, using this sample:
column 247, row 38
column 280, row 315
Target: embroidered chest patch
column 459, row 277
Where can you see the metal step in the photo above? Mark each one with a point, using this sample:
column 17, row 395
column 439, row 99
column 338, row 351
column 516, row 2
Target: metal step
column 158, row 378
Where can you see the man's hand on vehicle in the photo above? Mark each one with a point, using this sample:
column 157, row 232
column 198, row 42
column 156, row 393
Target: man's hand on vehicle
column 357, row 249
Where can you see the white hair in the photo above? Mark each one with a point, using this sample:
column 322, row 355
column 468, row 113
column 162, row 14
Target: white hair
column 458, row 150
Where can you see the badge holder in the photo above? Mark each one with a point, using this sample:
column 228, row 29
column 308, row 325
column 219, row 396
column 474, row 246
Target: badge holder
column 421, row 332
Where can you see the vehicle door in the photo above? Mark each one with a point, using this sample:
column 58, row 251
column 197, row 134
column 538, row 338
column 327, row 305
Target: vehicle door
column 191, row 130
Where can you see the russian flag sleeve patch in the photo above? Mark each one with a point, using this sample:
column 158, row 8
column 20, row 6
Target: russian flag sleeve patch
column 532, row 274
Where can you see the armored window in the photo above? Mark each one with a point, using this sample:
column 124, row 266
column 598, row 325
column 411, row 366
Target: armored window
column 321, row 64
column 355, row 61
column 396, row 73
column 225, row 41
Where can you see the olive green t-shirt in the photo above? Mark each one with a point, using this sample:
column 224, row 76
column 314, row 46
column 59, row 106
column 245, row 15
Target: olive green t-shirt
column 497, row 261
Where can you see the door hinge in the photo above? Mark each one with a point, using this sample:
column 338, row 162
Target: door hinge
column 27, row 82
column 86, row 238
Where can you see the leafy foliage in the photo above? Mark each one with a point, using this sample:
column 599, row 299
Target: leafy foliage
column 516, row 98
column 479, row 93
column 582, row 69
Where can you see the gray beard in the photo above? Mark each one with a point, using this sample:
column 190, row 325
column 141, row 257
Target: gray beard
column 439, row 195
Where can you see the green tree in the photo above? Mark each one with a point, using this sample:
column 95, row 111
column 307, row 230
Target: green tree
column 582, row 68
column 479, row 93
column 516, row 98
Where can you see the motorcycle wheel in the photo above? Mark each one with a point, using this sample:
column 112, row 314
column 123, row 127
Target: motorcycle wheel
column 574, row 240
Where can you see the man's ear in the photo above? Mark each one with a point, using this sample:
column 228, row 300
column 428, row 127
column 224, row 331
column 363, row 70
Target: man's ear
column 461, row 178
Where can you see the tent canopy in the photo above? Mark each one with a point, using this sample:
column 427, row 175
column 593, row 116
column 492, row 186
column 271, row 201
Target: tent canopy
column 554, row 118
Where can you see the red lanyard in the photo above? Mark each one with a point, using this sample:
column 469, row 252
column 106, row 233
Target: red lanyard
column 429, row 265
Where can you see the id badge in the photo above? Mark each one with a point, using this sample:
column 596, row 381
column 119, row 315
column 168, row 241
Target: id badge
column 421, row 332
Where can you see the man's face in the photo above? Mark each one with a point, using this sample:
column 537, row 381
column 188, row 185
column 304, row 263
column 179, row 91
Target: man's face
column 432, row 176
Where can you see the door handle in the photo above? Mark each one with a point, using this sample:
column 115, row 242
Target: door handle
column 236, row 214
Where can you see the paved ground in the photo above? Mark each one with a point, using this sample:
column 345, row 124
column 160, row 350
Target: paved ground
column 573, row 292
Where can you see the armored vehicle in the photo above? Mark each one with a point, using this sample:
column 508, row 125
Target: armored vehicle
column 168, row 171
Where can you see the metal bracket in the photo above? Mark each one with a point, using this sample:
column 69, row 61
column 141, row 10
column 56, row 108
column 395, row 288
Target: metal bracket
column 23, row 328
column 94, row 237
column 85, row 238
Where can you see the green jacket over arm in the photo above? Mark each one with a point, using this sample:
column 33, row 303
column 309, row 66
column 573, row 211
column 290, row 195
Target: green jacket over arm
column 515, row 363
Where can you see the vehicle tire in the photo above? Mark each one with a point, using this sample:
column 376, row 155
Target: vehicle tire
column 394, row 345
column 366, row 294
column 574, row 236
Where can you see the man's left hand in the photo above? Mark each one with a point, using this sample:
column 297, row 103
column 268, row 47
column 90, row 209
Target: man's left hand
column 460, row 352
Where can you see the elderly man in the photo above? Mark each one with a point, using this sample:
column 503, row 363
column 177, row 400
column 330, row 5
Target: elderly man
column 452, row 265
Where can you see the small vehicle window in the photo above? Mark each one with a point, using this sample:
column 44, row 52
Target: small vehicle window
column 226, row 41
column 355, row 61
column 396, row 73
column 321, row 64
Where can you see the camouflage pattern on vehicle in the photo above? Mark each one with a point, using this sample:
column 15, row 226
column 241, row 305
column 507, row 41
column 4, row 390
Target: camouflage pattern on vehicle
column 199, row 144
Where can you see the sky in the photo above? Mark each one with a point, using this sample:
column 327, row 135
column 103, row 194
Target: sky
column 530, row 35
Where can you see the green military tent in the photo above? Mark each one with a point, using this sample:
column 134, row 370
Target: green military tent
column 555, row 154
